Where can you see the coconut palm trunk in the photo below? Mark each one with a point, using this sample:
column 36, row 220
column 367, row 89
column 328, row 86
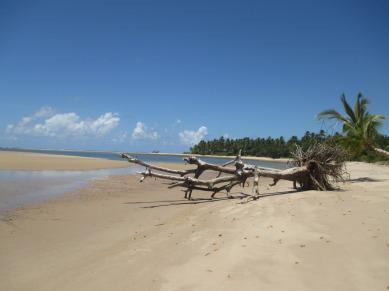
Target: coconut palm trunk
column 382, row 152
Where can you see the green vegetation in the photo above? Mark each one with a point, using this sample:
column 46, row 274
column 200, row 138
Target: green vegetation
column 360, row 129
column 359, row 137
column 279, row 147
column 382, row 141
column 261, row 147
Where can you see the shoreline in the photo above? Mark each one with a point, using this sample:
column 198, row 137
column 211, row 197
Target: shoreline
column 110, row 234
column 281, row 160
column 24, row 189
column 32, row 161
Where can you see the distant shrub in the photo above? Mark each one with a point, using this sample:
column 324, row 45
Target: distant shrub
column 279, row 147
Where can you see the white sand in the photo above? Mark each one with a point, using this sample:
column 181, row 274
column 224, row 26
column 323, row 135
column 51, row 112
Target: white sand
column 37, row 161
column 121, row 235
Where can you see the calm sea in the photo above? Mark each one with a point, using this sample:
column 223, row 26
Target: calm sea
column 18, row 188
column 151, row 158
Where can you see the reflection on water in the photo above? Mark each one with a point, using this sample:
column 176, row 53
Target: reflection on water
column 21, row 187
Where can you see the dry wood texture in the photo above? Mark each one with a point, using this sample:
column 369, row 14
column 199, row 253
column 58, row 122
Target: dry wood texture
column 315, row 168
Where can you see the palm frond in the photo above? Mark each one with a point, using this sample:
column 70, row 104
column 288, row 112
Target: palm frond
column 331, row 114
column 348, row 108
column 370, row 125
column 358, row 124
column 363, row 103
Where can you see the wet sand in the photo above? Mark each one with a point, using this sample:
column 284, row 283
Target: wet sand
column 118, row 234
column 36, row 161
column 19, row 188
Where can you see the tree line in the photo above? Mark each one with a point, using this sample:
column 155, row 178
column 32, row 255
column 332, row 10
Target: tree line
column 360, row 137
column 279, row 147
column 261, row 147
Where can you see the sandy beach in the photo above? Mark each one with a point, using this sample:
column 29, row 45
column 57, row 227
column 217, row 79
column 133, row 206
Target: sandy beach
column 35, row 161
column 118, row 234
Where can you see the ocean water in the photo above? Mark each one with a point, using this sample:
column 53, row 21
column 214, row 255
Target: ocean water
column 153, row 158
column 18, row 188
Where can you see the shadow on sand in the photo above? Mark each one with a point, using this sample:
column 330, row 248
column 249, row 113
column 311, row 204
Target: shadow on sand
column 364, row 179
column 245, row 198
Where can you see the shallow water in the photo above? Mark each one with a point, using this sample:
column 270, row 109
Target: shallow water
column 18, row 188
column 152, row 158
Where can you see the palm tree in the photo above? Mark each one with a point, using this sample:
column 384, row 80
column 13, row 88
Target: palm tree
column 358, row 123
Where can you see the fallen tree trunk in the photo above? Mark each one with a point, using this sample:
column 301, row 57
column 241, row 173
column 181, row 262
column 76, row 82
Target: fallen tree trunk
column 314, row 169
column 382, row 152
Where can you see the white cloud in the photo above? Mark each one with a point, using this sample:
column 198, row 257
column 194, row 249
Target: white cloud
column 189, row 137
column 45, row 122
column 45, row 111
column 105, row 123
column 141, row 131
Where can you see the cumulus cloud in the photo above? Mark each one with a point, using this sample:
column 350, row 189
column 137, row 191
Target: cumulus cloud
column 141, row 131
column 45, row 122
column 189, row 137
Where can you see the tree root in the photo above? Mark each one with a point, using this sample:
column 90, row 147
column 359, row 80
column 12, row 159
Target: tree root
column 313, row 169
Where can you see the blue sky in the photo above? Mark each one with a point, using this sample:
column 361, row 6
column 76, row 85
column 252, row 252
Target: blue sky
column 145, row 75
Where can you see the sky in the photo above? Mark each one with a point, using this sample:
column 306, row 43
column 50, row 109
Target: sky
column 162, row 75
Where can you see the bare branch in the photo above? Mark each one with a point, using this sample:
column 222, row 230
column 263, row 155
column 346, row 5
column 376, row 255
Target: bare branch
column 313, row 168
column 134, row 160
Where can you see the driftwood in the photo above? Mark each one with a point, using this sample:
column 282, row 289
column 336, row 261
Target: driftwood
column 314, row 169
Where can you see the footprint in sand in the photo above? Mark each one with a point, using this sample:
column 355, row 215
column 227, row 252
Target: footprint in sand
column 302, row 246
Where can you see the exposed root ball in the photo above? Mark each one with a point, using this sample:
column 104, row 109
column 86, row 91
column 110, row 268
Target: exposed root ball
column 316, row 168
column 326, row 165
